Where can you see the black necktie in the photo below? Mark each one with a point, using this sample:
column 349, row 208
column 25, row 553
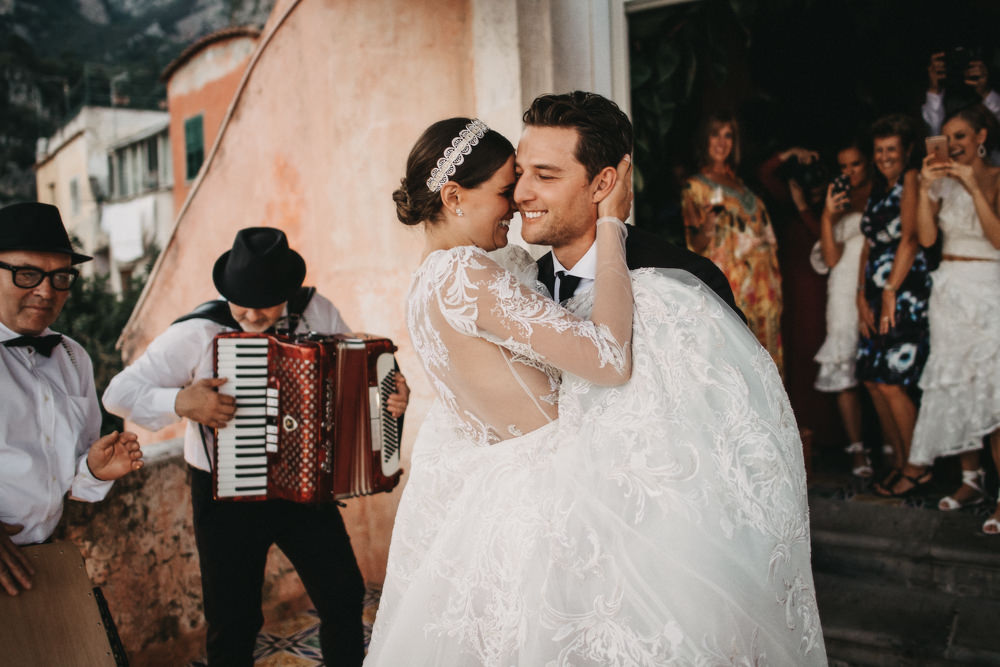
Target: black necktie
column 42, row 344
column 567, row 285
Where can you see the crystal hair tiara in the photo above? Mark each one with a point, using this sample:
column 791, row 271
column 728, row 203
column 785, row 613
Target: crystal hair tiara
column 455, row 154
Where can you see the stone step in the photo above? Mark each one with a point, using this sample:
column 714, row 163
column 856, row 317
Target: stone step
column 885, row 624
column 882, row 542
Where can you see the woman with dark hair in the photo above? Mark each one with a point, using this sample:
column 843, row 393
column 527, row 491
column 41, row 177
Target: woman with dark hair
column 545, row 518
column 726, row 222
column 839, row 254
column 893, row 288
column 959, row 199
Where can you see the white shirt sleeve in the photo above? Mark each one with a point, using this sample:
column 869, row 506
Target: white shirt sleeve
column 146, row 391
column 322, row 316
column 992, row 102
column 85, row 486
column 932, row 111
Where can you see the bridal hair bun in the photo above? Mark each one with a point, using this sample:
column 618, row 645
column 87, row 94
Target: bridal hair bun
column 405, row 211
column 457, row 150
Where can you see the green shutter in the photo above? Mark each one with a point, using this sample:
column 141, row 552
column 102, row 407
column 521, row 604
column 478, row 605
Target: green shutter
column 194, row 146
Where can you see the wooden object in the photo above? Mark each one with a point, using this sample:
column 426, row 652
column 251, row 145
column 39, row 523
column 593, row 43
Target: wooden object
column 58, row 621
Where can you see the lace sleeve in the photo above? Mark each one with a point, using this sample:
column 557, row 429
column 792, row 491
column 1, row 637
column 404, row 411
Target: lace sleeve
column 480, row 298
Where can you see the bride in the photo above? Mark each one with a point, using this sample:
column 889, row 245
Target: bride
column 585, row 491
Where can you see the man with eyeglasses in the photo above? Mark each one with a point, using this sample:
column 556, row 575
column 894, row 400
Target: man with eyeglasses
column 49, row 416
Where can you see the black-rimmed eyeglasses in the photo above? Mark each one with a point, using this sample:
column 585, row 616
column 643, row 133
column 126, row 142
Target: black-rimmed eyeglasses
column 27, row 277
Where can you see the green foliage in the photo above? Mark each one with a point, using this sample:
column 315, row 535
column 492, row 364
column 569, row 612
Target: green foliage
column 672, row 51
column 94, row 317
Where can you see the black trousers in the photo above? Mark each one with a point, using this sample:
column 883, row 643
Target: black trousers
column 233, row 539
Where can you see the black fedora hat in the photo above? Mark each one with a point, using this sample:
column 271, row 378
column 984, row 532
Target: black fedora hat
column 260, row 271
column 37, row 227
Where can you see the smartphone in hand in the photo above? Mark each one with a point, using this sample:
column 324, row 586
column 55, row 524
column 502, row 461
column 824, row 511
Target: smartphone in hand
column 937, row 148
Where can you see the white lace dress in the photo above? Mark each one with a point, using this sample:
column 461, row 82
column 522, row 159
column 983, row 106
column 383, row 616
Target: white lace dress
column 961, row 381
column 837, row 354
column 662, row 521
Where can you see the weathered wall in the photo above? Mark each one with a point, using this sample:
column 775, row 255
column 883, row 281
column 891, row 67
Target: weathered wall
column 316, row 145
column 139, row 547
column 203, row 85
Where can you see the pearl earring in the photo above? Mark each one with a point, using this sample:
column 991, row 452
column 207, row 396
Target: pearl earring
column 459, row 212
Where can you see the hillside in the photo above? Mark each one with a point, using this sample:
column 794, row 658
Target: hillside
column 57, row 55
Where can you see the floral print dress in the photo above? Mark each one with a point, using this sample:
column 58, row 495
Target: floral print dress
column 898, row 357
column 745, row 248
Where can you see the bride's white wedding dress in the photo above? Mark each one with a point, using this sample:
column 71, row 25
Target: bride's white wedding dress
column 661, row 521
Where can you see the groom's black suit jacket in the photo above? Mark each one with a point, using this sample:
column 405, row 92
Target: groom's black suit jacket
column 644, row 249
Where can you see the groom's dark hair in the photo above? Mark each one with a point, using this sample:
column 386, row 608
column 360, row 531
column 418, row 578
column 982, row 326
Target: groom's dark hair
column 605, row 132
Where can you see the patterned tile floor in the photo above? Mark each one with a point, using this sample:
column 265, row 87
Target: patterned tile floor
column 294, row 642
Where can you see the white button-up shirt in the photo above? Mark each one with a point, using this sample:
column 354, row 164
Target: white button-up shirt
column 585, row 269
column 49, row 417
column 146, row 391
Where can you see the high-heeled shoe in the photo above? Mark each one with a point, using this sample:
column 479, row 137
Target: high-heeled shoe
column 864, row 470
column 972, row 479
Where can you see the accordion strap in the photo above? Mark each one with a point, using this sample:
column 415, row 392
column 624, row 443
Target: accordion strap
column 218, row 311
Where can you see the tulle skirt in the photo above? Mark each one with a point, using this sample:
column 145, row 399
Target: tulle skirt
column 660, row 522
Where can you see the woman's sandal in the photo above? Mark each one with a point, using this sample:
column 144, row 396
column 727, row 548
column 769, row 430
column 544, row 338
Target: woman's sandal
column 992, row 526
column 890, row 480
column 918, row 483
column 972, row 479
column 865, row 469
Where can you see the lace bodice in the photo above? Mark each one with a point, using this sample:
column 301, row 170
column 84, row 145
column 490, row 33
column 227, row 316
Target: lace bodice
column 959, row 222
column 493, row 347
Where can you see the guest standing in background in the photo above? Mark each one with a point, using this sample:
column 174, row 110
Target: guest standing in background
column 726, row 222
column 958, row 199
column 839, row 255
column 893, row 288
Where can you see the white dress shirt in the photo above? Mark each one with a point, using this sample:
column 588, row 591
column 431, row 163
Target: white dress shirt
column 49, row 417
column 585, row 270
column 146, row 391
column 932, row 109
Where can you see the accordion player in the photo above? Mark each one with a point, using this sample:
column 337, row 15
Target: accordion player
column 311, row 424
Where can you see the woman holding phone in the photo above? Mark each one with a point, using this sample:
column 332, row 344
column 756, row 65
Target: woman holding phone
column 893, row 288
column 958, row 199
column 839, row 254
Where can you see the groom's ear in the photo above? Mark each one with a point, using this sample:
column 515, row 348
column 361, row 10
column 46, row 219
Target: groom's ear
column 603, row 183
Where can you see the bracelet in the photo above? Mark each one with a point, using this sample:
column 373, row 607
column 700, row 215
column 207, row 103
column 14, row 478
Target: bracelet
column 861, row 288
column 889, row 288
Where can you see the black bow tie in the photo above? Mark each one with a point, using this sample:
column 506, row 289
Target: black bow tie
column 567, row 285
column 42, row 344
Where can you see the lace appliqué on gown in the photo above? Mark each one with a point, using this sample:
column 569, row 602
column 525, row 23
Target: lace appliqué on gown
column 663, row 521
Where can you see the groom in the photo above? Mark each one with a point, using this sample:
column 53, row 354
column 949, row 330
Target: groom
column 567, row 141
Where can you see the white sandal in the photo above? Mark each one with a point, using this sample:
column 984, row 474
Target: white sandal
column 972, row 479
column 864, row 470
column 992, row 526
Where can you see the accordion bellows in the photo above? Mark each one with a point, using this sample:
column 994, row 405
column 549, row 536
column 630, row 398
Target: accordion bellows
column 311, row 424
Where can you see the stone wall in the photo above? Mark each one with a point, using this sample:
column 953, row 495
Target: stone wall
column 139, row 548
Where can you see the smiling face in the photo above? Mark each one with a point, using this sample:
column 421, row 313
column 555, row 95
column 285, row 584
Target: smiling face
column 889, row 157
column 488, row 209
column 963, row 140
column 720, row 143
column 29, row 311
column 554, row 194
column 853, row 164
column 256, row 320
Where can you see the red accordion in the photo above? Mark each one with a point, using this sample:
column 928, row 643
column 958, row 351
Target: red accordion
column 311, row 423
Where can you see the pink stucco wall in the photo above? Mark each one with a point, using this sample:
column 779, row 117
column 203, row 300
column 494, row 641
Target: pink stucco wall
column 316, row 145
